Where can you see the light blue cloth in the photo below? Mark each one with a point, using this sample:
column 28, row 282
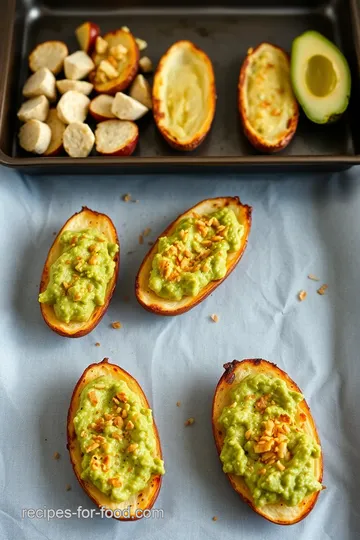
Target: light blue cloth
column 300, row 226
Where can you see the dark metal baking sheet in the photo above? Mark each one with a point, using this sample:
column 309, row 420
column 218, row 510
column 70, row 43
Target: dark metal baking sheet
column 225, row 32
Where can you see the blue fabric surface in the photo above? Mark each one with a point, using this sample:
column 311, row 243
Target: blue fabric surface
column 301, row 225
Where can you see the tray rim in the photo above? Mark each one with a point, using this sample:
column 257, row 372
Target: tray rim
column 8, row 11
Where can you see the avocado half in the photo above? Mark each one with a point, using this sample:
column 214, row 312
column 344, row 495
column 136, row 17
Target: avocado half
column 320, row 77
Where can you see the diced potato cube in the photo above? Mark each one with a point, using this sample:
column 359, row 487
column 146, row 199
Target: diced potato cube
column 108, row 69
column 146, row 64
column 141, row 43
column 118, row 51
column 101, row 45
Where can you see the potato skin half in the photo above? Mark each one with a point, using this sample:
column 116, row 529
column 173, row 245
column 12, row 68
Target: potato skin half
column 144, row 500
column 125, row 79
column 160, row 306
column 258, row 142
column 158, row 114
column 234, row 372
column 84, row 219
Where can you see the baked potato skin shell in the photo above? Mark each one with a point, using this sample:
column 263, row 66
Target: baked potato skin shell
column 159, row 116
column 148, row 497
column 123, row 81
column 157, row 305
column 222, row 389
column 89, row 217
column 254, row 138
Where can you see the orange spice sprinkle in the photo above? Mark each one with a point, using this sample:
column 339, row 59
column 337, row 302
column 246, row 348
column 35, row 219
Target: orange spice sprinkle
column 116, row 325
column 302, row 295
column 322, row 290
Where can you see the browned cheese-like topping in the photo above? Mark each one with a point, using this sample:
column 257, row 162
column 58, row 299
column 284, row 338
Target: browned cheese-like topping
column 271, row 445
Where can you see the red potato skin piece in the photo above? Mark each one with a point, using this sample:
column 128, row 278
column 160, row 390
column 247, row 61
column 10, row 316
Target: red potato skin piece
column 57, row 152
column 257, row 142
column 115, row 371
column 94, row 32
column 156, row 309
column 224, row 384
column 98, row 312
column 172, row 140
column 126, row 150
column 99, row 117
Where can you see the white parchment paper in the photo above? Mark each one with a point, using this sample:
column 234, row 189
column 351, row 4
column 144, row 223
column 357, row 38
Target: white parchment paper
column 301, row 225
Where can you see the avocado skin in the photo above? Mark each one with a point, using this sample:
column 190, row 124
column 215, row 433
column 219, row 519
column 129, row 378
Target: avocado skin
column 339, row 107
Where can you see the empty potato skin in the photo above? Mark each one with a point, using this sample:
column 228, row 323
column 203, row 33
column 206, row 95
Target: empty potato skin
column 160, row 306
column 234, row 372
column 125, row 79
column 84, row 219
column 158, row 113
column 148, row 496
column 254, row 138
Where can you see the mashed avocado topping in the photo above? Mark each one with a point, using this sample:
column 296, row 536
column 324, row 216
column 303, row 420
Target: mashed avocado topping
column 265, row 441
column 116, row 436
column 79, row 277
column 195, row 254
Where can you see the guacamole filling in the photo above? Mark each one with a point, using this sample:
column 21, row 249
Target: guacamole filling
column 80, row 275
column 195, row 254
column 266, row 444
column 117, row 439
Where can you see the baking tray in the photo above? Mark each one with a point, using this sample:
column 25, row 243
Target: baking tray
column 225, row 30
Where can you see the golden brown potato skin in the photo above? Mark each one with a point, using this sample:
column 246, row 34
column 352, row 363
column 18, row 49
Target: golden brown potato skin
column 149, row 300
column 86, row 218
column 234, row 372
column 128, row 74
column 260, row 143
column 159, row 116
column 144, row 500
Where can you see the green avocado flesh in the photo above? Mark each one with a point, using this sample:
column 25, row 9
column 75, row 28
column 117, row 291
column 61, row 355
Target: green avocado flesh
column 195, row 254
column 265, row 443
column 320, row 77
column 117, row 439
column 80, row 275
